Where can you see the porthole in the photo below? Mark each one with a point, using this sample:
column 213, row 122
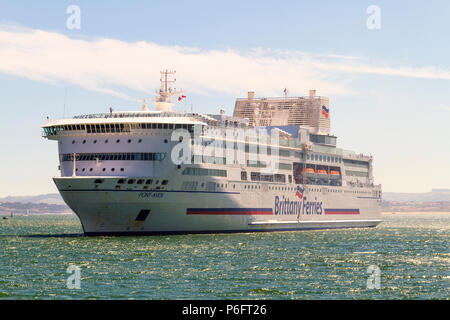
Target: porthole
column 112, row 169
column 118, row 140
column 106, row 141
column 84, row 141
column 104, row 169
column 129, row 141
column 121, row 169
column 83, row 169
column 90, row 169
column 165, row 141
column 140, row 140
column 73, row 141
column 95, row 141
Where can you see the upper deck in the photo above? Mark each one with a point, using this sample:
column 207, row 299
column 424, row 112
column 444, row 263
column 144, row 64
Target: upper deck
column 307, row 152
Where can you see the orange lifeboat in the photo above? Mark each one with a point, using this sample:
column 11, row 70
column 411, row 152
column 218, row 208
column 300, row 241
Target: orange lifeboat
column 309, row 170
column 321, row 171
column 334, row 173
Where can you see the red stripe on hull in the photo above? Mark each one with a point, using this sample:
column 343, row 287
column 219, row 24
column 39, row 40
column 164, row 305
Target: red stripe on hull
column 341, row 212
column 230, row 212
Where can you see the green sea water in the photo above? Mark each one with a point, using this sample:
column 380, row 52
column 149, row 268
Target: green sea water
column 411, row 251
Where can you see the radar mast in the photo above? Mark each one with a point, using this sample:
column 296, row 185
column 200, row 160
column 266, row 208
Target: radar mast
column 163, row 101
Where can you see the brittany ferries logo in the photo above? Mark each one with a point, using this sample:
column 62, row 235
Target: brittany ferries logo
column 296, row 207
column 299, row 192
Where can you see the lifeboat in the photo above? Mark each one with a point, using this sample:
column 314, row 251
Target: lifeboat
column 321, row 171
column 334, row 173
column 309, row 170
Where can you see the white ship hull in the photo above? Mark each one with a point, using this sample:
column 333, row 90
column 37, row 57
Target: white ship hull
column 133, row 211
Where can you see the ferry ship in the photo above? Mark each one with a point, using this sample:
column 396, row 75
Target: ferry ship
column 129, row 173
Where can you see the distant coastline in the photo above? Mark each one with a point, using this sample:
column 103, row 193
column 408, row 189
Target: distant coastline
column 438, row 200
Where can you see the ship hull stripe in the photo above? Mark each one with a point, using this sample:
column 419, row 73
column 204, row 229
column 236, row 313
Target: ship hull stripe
column 230, row 211
column 342, row 211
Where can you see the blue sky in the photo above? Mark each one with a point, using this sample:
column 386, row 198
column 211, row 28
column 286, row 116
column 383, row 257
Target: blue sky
column 388, row 88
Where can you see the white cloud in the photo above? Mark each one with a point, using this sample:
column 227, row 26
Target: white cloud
column 109, row 65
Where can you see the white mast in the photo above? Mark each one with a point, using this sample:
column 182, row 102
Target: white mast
column 163, row 102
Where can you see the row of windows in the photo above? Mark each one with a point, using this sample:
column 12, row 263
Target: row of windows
column 107, row 141
column 104, row 169
column 115, row 127
column 257, row 176
column 208, row 159
column 256, row 164
column 322, row 139
column 148, row 156
column 247, row 148
column 204, row 172
column 141, row 181
column 250, row 163
column 356, row 173
column 192, row 185
column 356, row 163
column 325, row 158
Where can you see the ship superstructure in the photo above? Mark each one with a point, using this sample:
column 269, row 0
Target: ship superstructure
column 121, row 174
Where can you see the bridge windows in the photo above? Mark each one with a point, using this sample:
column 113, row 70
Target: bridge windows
column 204, row 172
column 148, row 156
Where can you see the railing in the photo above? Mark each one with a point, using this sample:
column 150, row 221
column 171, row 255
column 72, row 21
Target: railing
column 282, row 98
column 131, row 115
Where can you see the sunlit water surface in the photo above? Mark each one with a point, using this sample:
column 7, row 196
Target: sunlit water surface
column 411, row 251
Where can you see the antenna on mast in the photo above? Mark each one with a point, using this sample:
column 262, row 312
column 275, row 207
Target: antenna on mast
column 163, row 101
column 65, row 97
column 144, row 106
